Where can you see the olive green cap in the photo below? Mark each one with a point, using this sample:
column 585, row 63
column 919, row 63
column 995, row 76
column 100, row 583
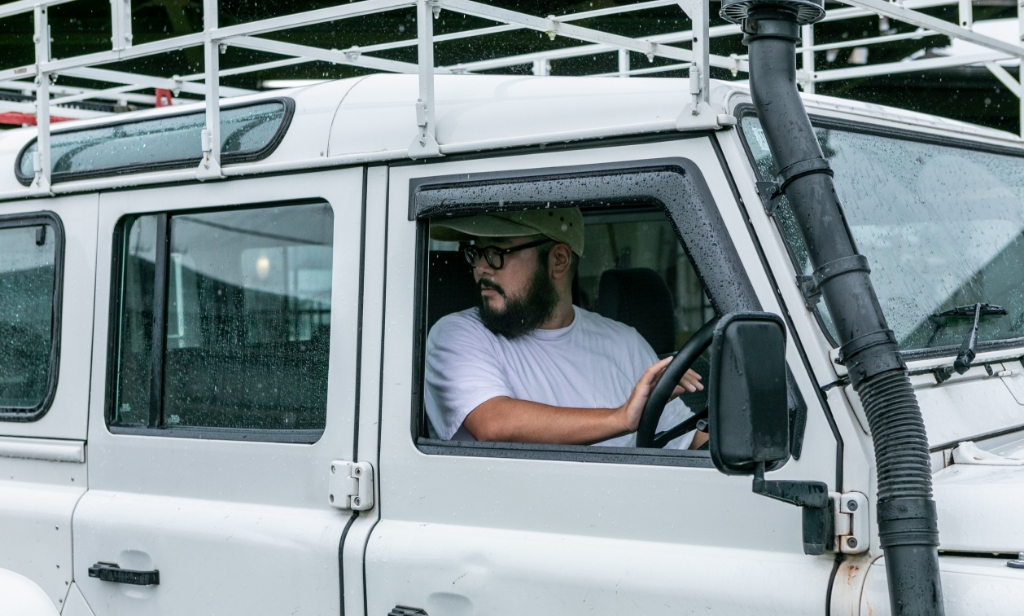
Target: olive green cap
column 562, row 225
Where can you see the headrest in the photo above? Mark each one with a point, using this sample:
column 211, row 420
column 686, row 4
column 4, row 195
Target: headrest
column 640, row 298
column 450, row 287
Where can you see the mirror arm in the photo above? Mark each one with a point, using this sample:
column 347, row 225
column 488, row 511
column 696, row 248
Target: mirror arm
column 812, row 497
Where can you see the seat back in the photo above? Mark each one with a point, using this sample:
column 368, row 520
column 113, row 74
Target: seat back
column 451, row 287
column 639, row 297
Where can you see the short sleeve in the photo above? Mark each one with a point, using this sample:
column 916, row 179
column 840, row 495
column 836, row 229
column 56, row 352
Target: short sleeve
column 463, row 370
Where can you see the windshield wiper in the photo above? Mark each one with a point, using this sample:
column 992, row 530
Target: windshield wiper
column 963, row 360
column 968, row 310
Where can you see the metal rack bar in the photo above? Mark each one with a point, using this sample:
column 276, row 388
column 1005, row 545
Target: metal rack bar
column 688, row 50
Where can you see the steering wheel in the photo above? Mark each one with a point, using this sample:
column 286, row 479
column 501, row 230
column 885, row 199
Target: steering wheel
column 646, row 435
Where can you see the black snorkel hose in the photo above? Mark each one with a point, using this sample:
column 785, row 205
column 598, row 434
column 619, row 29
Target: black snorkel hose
column 907, row 521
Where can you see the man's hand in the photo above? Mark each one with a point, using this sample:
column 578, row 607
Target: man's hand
column 630, row 412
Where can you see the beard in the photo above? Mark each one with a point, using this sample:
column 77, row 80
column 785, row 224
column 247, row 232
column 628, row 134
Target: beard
column 523, row 314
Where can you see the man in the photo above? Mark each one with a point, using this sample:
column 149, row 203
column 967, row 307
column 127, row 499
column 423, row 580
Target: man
column 527, row 365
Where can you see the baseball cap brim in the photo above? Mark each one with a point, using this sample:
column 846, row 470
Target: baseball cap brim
column 481, row 225
column 560, row 224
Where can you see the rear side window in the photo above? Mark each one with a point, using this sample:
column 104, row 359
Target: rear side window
column 224, row 323
column 250, row 132
column 31, row 251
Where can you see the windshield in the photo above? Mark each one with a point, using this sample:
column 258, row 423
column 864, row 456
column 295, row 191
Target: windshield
column 940, row 225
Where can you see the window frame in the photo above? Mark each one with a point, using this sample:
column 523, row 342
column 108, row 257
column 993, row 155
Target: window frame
column 744, row 110
column 717, row 264
column 247, row 157
column 34, row 219
column 162, row 270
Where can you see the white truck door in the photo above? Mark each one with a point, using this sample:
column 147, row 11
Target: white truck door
column 491, row 528
column 216, row 421
column 47, row 278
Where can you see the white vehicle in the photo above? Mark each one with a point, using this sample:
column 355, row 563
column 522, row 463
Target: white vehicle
column 211, row 381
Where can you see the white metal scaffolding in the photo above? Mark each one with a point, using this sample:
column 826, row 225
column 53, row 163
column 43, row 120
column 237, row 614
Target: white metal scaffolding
column 686, row 50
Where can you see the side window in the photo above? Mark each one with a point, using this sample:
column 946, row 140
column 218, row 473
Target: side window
column 224, row 323
column 31, row 250
column 635, row 298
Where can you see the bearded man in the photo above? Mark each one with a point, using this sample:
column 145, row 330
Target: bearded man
column 527, row 365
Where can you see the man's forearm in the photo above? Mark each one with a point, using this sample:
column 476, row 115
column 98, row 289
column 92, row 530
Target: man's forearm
column 518, row 421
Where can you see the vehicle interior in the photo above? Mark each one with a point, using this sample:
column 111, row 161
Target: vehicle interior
column 633, row 270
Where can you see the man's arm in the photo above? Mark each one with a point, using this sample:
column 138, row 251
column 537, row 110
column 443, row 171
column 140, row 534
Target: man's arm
column 507, row 420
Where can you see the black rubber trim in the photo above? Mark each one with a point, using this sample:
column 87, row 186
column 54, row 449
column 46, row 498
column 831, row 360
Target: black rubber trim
column 380, row 391
column 241, row 157
column 673, row 185
column 307, row 437
column 832, row 582
column 341, row 560
column 161, row 279
column 359, row 327
column 36, row 219
column 567, row 453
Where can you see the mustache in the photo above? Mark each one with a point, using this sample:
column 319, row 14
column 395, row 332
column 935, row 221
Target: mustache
column 489, row 284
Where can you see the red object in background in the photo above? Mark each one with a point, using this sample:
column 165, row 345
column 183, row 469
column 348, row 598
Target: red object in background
column 22, row 119
column 163, row 97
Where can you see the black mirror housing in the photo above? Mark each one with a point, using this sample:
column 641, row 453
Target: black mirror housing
column 748, row 413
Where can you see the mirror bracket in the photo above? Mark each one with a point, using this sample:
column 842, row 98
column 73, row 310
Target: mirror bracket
column 812, row 497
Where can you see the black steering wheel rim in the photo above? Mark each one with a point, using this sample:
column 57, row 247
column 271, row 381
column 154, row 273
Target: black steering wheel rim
column 684, row 358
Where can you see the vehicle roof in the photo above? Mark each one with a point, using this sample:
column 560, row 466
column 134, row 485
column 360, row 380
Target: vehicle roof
column 376, row 115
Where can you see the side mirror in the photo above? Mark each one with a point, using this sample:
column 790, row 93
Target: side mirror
column 748, row 414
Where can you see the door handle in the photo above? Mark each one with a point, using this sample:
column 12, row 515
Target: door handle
column 112, row 572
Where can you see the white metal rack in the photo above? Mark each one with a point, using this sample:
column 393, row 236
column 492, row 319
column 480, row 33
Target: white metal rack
column 694, row 57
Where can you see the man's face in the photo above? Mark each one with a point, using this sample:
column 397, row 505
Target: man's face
column 519, row 297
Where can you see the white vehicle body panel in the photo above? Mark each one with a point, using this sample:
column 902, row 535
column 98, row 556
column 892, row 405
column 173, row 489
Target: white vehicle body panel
column 22, row 597
column 245, row 527
column 42, row 463
column 76, row 605
column 603, row 512
column 969, row 586
column 68, row 415
column 232, row 526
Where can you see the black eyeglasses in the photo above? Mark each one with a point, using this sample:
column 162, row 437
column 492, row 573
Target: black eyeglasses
column 495, row 256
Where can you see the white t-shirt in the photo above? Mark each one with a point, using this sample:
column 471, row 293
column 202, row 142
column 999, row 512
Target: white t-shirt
column 593, row 363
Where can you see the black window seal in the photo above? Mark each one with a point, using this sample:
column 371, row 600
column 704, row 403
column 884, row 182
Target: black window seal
column 744, row 110
column 35, row 219
column 721, row 274
column 572, row 453
column 241, row 157
column 157, row 427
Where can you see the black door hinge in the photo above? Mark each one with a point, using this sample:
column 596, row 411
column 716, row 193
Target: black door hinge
column 812, row 498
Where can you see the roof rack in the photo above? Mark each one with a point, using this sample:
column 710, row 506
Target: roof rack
column 695, row 58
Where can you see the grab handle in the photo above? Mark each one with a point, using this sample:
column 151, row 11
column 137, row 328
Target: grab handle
column 112, row 572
